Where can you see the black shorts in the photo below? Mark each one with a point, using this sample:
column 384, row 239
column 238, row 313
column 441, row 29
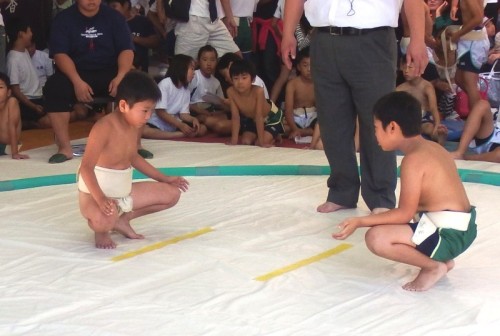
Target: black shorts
column 28, row 114
column 59, row 92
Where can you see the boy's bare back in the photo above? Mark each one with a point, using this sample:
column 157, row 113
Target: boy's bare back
column 247, row 104
column 427, row 170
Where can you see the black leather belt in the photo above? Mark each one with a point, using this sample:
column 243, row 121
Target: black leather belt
column 349, row 31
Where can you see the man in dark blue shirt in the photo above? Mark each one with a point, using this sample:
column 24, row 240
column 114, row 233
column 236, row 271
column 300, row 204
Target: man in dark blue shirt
column 93, row 50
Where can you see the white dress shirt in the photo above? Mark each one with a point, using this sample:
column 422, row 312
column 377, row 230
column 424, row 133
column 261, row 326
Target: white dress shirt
column 353, row 13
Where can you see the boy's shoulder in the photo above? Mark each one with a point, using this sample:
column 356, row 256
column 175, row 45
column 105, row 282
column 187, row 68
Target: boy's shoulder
column 425, row 153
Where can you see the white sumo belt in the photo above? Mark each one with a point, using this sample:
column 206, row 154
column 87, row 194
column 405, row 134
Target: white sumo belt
column 429, row 222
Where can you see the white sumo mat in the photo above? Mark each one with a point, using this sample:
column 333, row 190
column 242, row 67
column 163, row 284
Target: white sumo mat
column 239, row 255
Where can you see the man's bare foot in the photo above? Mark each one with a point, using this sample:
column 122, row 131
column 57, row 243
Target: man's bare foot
column 457, row 155
column 103, row 241
column 123, row 226
column 379, row 210
column 427, row 278
column 329, row 207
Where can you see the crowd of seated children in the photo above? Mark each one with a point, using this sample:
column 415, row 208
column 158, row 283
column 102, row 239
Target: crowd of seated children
column 172, row 118
column 299, row 94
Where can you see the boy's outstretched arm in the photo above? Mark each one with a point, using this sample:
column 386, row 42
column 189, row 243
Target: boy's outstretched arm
column 139, row 163
column 411, row 184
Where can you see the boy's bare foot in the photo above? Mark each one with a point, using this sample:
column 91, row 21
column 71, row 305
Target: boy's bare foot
column 376, row 211
column 123, row 226
column 329, row 207
column 442, row 135
column 103, row 241
column 450, row 264
column 428, row 277
column 457, row 155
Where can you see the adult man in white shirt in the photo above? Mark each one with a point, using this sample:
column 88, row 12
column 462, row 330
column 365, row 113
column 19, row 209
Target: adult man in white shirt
column 353, row 63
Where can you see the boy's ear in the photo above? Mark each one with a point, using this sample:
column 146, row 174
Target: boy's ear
column 392, row 127
column 123, row 105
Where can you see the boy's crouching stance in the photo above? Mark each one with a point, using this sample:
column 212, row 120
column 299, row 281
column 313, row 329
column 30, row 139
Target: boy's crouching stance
column 108, row 198
column 432, row 195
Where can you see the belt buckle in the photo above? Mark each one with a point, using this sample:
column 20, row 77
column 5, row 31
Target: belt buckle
column 334, row 33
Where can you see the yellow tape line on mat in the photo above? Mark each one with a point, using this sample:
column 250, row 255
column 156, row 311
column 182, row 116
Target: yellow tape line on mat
column 304, row 262
column 162, row 244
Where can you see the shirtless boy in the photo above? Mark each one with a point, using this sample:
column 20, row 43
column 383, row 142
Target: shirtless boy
column 258, row 119
column 108, row 198
column 300, row 110
column 431, row 192
column 10, row 120
column 472, row 49
column 425, row 93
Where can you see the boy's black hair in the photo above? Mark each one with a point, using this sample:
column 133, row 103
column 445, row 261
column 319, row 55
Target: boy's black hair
column 5, row 78
column 241, row 67
column 227, row 59
column 15, row 26
column 137, row 86
column 207, row 48
column 304, row 53
column 178, row 69
column 402, row 108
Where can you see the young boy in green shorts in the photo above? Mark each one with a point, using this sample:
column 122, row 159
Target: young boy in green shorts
column 432, row 194
column 258, row 120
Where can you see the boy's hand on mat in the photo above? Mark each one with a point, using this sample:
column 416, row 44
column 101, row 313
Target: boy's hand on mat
column 347, row 227
column 178, row 181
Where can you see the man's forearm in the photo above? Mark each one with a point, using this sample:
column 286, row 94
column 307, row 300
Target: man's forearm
column 293, row 12
column 415, row 14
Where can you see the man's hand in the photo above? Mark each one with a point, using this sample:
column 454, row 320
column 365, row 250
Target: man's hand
column 231, row 26
column 83, row 92
column 288, row 50
column 113, row 85
column 416, row 56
